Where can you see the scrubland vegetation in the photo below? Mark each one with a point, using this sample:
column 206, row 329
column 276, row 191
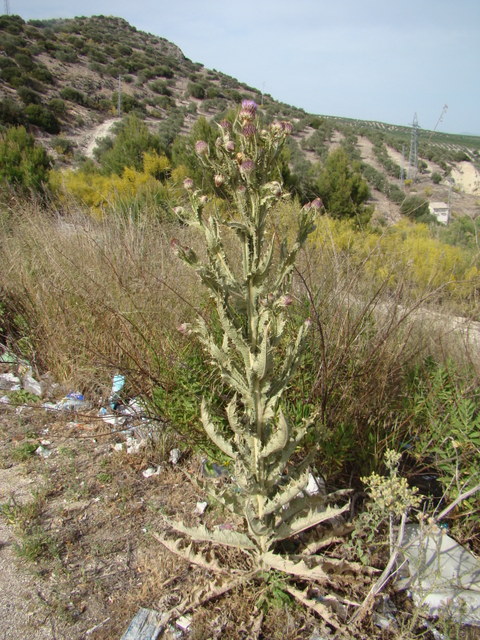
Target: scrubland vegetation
column 90, row 285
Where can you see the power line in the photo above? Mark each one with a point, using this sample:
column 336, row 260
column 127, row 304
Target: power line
column 413, row 156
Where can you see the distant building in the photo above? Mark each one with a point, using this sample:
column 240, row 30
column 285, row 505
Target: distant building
column 441, row 211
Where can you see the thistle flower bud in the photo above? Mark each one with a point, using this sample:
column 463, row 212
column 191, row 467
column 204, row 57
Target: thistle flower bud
column 203, row 200
column 219, row 180
column 230, row 145
column 285, row 301
column 188, row 184
column 201, row 147
column 178, row 211
column 275, row 188
column 316, row 204
column 175, row 245
column 226, row 125
column 247, row 167
column 249, row 130
column 276, row 127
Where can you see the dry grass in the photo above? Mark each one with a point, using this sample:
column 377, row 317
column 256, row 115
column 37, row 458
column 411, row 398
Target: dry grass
column 93, row 297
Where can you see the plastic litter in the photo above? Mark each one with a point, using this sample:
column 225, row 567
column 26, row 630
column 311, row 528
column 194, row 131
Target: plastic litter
column 315, row 486
column 117, row 385
column 9, row 382
column 200, row 508
column 32, row 386
column 133, row 445
column 133, row 408
column 73, row 401
column 443, row 576
column 184, row 622
column 175, row 455
column 8, row 357
column 214, row 470
column 43, row 452
column 111, row 418
column 151, row 471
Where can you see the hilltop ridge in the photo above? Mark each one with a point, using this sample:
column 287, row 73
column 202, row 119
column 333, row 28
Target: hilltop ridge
column 62, row 79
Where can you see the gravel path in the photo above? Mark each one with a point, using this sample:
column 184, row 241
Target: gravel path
column 21, row 614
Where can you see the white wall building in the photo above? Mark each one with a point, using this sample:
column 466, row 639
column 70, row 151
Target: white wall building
column 441, row 211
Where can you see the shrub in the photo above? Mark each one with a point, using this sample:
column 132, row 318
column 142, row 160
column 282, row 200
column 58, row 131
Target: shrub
column 195, row 90
column 28, row 96
column 342, row 188
column 23, row 163
column 126, row 150
column 10, row 112
column 160, row 86
column 57, row 106
column 42, row 117
column 414, row 207
column 73, row 95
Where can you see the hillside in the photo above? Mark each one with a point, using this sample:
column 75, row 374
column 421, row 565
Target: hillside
column 61, row 78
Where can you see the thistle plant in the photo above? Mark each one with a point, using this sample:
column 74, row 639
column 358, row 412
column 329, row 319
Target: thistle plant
column 252, row 298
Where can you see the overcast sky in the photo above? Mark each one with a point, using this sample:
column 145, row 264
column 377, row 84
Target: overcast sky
column 369, row 59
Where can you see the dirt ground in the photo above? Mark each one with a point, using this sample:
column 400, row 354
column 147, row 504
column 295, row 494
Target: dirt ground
column 77, row 555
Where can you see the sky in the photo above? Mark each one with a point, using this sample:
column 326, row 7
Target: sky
column 368, row 59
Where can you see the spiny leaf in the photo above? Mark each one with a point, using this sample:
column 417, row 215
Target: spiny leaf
column 278, row 439
column 294, row 567
column 188, row 554
column 299, row 524
column 226, row 538
column 287, row 492
column 213, row 434
column 319, row 608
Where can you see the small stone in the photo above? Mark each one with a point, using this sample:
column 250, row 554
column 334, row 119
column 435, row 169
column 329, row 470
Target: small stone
column 175, row 455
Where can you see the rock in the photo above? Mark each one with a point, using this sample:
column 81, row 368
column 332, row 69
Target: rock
column 175, row 455
column 442, row 575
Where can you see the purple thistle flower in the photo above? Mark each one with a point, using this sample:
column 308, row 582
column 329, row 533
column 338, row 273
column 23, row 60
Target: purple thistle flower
column 188, row 184
column 226, row 125
column 230, row 145
column 201, row 147
column 249, row 106
column 286, row 127
column 219, row 180
column 249, row 130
